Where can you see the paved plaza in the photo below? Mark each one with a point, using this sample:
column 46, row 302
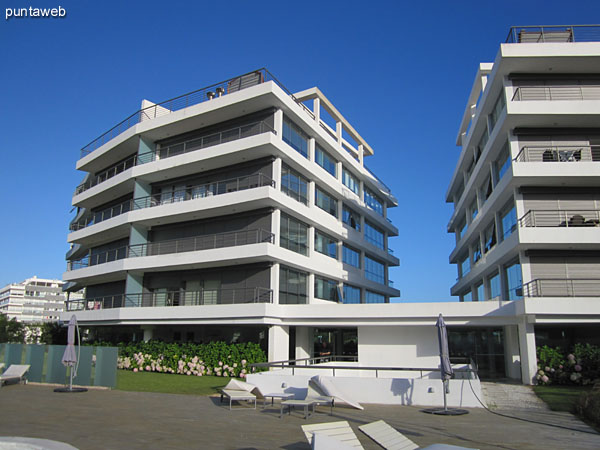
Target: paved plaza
column 105, row 419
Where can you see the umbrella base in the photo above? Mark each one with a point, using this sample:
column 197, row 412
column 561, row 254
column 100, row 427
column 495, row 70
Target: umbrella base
column 445, row 411
column 70, row 389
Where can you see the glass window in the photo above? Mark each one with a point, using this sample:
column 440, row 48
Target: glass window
column 498, row 107
column 476, row 252
column 325, row 202
column 292, row 286
column 468, row 297
column 514, row 281
column 323, row 159
column 374, row 270
column 509, row 221
column 294, row 184
column 461, row 230
column 350, row 181
column 480, row 292
column 495, row 289
column 374, row 235
column 487, row 189
column 351, row 294
column 484, row 138
column 465, row 266
column 325, row 244
column 326, row 289
column 374, row 297
column 295, row 137
column 490, row 237
column 473, row 209
column 351, row 218
column 293, row 235
column 373, row 202
column 350, row 256
column 502, row 163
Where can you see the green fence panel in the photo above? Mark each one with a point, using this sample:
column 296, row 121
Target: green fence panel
column 106, row 367
column 55, row 371
column 84, row 370
column 2, row 350
column 34, row 356
column 13, row 354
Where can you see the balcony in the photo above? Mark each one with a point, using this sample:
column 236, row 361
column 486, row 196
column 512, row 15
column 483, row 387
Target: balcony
column 189, row 193
column 555, row 33
column 560, row 218
column 557, row 92
column 191, row 145
column 564, row 153
column 174, row 298
column 192, row 244
column 558, row 287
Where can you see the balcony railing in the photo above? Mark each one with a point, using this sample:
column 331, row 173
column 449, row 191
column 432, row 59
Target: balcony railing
column 192, row 98
column 563, row 153
column 189, row 193
column 560, row 218
column 558, row 287
column 198, row 143
column 554, row 33
column 175, row 298
column 191, row 244
column 557, row 93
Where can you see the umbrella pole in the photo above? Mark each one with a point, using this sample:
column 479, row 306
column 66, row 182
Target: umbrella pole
column 444, row 386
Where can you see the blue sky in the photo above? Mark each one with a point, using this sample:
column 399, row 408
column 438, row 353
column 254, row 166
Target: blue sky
column 400, row 72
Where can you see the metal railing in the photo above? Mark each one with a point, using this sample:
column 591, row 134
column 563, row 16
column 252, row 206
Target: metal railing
column 175, row 298
column 563, row 153
column 562, row 287
column 554, row 33
column 180, row 148
column 557, row 93
column 560, row 218
column 192, row 98
column 191, row 244
column 101, row 216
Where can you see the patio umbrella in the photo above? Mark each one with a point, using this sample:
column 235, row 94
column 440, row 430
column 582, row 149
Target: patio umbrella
column 70, row 358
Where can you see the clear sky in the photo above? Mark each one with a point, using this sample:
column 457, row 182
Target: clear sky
column 399, row 71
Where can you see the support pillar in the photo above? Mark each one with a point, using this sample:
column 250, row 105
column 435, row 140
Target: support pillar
column 511, row 352
column 275, row 282
column 279, row 343
column 303, row 342
column 278, row 123
column 527, row 349
column 148, row 333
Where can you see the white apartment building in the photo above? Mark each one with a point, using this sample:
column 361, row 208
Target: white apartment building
column 34, row 300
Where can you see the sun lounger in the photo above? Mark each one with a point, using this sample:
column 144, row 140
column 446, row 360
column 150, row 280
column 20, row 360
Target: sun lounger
column 318, row 398
column 237, row 395
column 15, row 373
column 338, row 431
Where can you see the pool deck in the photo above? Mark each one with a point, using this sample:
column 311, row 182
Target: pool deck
column 105, row 419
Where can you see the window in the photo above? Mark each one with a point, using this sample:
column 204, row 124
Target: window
column 293, row 235
column 326, row 289
column 509, row 221
column 468, row 297
column 350, row 181
column 325, row 244
column 465, row 266
column 480, row 292
column 350, row 256
column 374, row 297
column 350, row 218
column 476, row 252
column 461, row 230
column 514, row 281
column 295, row 137
column 473, row 210
column 502, row 163
column 483, row 141
column 292, row 286
column 487, row 189
column 489, row 237
column 374, row 235
column 374, row 270
column 351, row 294
column 294, row 184
column 498, row 107
column 323, row 159
column 495, row 289
column 325, row 202
column 373, row 202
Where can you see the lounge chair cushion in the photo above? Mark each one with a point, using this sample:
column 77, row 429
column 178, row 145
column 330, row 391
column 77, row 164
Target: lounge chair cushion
column 387, row 437
column 321, row 441
column 328, row 388
column 16, row 372
column 340, row 431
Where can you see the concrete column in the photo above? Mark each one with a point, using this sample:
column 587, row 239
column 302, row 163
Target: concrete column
column 361, row 154
column 134, row 284
column 279, row 343
column 278, row 123
column 303, row 342
column 311, row 193
column 512, row 359
column 528, row 354
column 503, row 284
column 311, row 149
column 274, row 284
column 138, row 234
column 141, row 189
column 148, row 332
column 311, row 288
column 525, row 269
column 338, row 133
column 338, row 170
column 519, row 205
column 361, row 189
column 317, row 109
column 311, row 241
column 276, row 225
column 277, row 173
column 146, row 150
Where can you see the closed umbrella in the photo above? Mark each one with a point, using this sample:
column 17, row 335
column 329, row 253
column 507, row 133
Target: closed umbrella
column 69, row 358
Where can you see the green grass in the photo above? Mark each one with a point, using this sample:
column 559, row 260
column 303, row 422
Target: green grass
column 560, row 398
column 169, row 383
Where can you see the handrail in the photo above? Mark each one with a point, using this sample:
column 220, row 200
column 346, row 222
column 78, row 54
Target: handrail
column 560, row 218
column 562, row 287
column 198, row 143
column 191, row 98
column 557, row 93
column 560, row 153
column 102, row 215
column 553, row 33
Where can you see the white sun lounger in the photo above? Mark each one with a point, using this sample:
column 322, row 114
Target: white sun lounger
column 16, row 373
column 237, row 395
column 338, row 431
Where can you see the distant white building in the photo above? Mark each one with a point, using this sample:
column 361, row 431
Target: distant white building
column 34, row 300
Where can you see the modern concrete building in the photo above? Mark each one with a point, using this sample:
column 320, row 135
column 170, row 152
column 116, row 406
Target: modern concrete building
column 228, row 202
column 34, row 300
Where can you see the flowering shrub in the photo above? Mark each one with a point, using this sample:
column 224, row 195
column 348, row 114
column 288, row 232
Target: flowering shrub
column 582, row 366
column 215, row 358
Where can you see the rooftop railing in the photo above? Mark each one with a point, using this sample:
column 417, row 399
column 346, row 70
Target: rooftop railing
column 554, row 33
column 198, row 143
column 562, row 287
column 192, row 98
column 563, row 153
column 557, row 93
column 191, row 244
column 175, row 298
column 560, row 218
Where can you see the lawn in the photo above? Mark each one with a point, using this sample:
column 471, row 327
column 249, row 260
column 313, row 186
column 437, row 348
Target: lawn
column 561, row 398
column 169, row 383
